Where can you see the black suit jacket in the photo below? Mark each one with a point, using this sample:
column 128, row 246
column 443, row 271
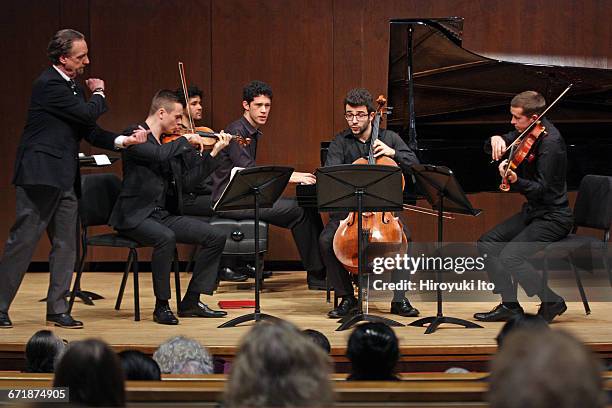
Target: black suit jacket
column 57, row 121
column 143, row 178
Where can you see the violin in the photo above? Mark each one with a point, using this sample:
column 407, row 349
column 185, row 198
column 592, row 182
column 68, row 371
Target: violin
column 525, row 142
column 209, row 137
column 521, row 152
column 382, row 227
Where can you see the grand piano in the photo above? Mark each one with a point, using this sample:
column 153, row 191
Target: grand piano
column 445, row 101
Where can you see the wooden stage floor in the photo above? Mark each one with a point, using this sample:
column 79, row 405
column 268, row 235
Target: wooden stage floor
column 285, row 295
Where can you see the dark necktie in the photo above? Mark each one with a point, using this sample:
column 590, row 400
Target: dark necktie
column 73, row 86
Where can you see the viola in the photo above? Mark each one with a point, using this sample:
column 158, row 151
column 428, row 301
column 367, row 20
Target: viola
column 382, row 227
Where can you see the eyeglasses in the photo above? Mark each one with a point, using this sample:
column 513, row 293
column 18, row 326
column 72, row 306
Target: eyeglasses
column 360, row 116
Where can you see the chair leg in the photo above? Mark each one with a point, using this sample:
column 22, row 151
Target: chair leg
column 136, row 288
column 177, row 278
column 585, row 302
column 126, row 271
column 77, row 281
column 327, row 290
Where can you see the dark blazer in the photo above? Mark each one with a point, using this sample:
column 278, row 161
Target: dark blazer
column 57, row 121
column 143, row 178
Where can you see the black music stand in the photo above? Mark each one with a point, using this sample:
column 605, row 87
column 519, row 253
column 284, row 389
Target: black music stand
column 439, row 184
column 254, row 188
column 360, row 187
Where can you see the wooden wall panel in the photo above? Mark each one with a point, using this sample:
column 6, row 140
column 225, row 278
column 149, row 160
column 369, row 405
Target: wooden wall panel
column 310, row 52
column 288, row 44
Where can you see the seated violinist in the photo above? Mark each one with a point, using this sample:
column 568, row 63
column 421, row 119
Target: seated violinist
column 545, row 217
column 349, row 145
column 149, row 211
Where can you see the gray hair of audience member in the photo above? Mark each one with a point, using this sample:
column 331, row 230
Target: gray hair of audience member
column 277, row 366
column 91, row 371
column 545, row 369
column 181, row 355
column 43, row 351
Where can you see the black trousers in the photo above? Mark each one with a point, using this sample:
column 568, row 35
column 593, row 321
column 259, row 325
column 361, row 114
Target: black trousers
column 305, row 224
column 339, row 277
column 162, row 231
column 40, row 208
column 509, row 245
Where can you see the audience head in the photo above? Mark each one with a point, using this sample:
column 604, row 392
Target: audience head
column 545, row 369
column 373, row 349
column 521, row 321
column 181, row 355
column 318, row 338
column 42, row 352
column 137, row 366
column 277, row 366
column 93, row 373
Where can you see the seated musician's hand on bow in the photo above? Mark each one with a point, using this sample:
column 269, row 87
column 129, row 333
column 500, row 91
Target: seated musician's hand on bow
column 511, row 176
column 138, row 136
column 381, row 149
column 222, row 143
column 302, row 178
column 195, row 140
column 498, row 147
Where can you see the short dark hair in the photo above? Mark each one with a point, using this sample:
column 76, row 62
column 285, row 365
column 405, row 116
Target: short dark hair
column 373, row 349
column 164, row 98
column 137, row 366
column 254, row 89
column 359, row 97
column 42, row 351
column 192, row 91
column 61, row 44
column 318, row 338
column 525, row 321
column 93, row 373
column 532, row 102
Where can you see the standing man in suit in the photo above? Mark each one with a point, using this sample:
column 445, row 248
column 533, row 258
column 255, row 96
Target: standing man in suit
column 149, row 207
column 47, row 173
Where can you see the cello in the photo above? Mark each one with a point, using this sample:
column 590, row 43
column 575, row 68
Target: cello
column 381, row 227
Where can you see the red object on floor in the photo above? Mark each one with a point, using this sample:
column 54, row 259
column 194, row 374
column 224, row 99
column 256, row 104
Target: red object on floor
column 236, row 304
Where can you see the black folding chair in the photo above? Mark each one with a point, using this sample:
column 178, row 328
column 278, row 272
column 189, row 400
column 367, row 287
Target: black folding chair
column 98, row 195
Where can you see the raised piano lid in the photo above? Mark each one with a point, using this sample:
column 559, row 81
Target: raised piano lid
column 461, row 98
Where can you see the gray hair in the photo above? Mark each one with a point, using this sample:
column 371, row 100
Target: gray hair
column 277, row 366
column 61, row 44
column 181, row 355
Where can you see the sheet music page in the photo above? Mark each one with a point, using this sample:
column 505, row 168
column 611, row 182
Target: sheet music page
column 234, row 171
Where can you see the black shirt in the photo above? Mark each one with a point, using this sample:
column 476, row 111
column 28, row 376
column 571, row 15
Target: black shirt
column 234, row 155
column 542, row 174
column 346, row 148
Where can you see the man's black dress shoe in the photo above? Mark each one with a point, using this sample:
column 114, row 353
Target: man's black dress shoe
column 249, row 270
column 163, row 315
column 550, row 310
column 199, row 309
column 500, row 313
column 229, row 275
column 346, row 306
column 404, row 308
column 5, row 322
column 63, row 320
